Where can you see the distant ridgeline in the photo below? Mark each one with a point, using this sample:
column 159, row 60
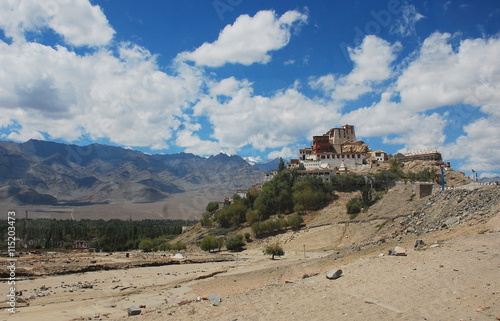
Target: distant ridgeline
column 48, row 173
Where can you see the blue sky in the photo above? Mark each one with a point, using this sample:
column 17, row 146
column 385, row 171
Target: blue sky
column 254, row 78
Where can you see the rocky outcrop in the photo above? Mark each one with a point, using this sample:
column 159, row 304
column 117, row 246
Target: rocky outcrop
column 450, row 207
column 355, row 147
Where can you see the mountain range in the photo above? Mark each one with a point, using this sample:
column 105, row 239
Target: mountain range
column 47, row 177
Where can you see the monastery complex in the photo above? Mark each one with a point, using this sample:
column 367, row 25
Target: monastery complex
column 338, row 151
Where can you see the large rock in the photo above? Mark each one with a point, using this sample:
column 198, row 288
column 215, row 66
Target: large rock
column 334, row 274
column 133, row 311
column 398, row 251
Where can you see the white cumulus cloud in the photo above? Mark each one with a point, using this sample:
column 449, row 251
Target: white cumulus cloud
column 127, row 100
column 248, row 40
column 372, row 65
column 78, row 21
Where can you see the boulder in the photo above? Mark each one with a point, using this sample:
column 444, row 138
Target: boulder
column 398, row 251
column 133, row 311
column 334, row 274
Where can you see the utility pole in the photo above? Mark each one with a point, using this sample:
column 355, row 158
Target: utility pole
column 442, row 178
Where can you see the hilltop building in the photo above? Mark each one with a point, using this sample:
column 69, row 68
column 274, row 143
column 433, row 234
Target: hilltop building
column 430, row 155
column 339, row 149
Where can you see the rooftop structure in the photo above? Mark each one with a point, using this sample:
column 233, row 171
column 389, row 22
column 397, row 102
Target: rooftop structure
column 433, row 155
column 342, row 135
column 336, row 147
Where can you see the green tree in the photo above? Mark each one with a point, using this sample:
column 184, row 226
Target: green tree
column 265, row 203
column 206, row 219
column 212, row 207
column 235, row 243
column 348, row 182
column 366, row 195
column 274, row 249
column 308, row 194
column 295, row 220
column 146, row 245
column 258, row 228
column 252, row 216
column 209, row 243
column 281, row 165
column 232, row 215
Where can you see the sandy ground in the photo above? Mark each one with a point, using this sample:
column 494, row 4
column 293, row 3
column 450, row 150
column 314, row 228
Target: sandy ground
column 458, row 280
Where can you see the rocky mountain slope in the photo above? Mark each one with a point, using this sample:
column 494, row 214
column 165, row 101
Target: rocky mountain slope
column 53, row 174
column 399, row 214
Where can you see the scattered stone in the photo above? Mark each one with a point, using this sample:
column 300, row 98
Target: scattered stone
column 411, row 230
column 434, row 245
column 133, row 311
column 419, row 243
column 452, row 220
column 482, row 308
column 334, row 274
column 214, row 298
column 398, row 251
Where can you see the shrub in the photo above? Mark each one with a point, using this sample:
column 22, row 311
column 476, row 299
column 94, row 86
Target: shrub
column 209, row 243
column 146, row 245
column 212, row 207
column 252, row 216
column 308, row 194
column 354, row 205
column 178, row 246
column 218, row 232
column 295, row 220
column 206, row 219
column 235, row 243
